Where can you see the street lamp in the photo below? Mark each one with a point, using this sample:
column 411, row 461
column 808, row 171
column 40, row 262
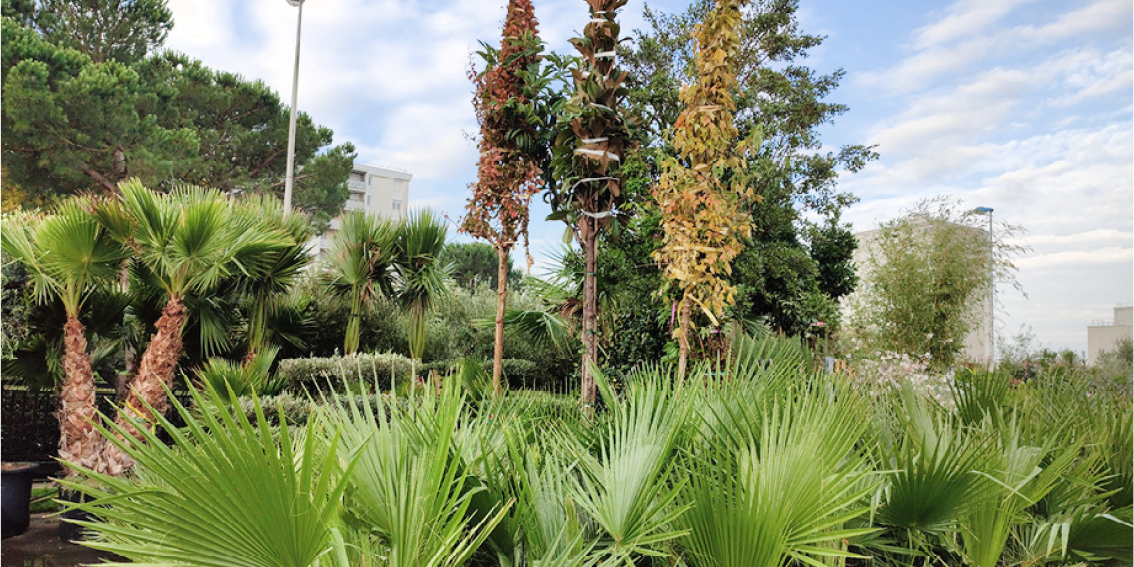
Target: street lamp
column 992, row 288
column 289, row 181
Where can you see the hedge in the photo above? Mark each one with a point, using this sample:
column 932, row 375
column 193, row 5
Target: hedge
column 519, row 373
column 339, row 371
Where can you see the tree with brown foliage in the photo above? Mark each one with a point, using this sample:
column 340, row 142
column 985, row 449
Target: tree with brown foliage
column 508, row 174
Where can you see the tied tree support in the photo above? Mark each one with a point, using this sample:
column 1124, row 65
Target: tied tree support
column 592, row 139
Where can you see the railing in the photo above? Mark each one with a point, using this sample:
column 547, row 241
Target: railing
column 352, row 205
column 359, row 185
column 1101, row 323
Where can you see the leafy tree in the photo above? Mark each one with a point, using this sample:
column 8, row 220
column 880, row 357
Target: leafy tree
column 592, row 139
column 927, row 280
column 73, row 124
column 702, row 192
column 68, row 255
column 475, row 263
column 508, row 173
column 777, row 274
column 70, row 124
column 241, row 128
column 104, row 30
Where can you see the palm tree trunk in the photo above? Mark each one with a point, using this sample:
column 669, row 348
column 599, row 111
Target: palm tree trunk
column 353, row 329
column 79, row 441
column 590, row 348
column 149, row 387
column 501, row 305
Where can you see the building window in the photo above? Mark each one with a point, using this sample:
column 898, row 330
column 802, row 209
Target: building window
column 397, row 205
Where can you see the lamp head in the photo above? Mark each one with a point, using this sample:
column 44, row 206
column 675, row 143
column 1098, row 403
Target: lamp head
column 981, row 210
column 295, row 3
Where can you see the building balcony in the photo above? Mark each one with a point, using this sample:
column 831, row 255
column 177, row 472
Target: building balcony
column 356, row 185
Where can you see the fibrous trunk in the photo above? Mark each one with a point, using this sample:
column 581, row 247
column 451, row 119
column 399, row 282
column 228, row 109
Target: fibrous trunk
column 79, row 441
column 148, row 389
column 501, row 305
column 590, row 348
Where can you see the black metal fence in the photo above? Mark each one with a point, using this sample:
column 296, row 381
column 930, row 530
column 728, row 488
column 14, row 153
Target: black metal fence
column 29, row 429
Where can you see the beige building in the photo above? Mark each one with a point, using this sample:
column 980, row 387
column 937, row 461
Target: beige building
column 1102, row 336
column 977, row 342
column 379, row 191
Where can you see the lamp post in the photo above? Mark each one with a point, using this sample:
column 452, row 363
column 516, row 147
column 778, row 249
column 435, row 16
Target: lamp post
column 289, row 180
column 991, row 289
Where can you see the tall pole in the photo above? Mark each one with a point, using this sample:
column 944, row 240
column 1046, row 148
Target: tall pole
column 289, row 181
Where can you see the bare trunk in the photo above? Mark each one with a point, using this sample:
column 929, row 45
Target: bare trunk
column 149, row 387
column 590, row 348
column 501, row 305
column 683, row 340
column 79, row 441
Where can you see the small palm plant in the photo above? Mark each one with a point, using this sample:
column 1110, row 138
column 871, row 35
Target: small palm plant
column 359, row 261
column 421, row 277
column 69, row 256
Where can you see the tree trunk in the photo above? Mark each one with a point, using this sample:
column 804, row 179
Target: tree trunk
column 501, row 305
column 683, row 340
column 149, row 387
column 79, row 441
column 590, row 348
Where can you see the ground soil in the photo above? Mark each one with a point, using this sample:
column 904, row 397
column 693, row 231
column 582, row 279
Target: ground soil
column 40, row 547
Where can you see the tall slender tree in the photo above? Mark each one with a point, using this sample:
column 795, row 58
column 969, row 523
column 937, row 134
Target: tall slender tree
column 68, row 255
column 590, row 145
column 508, row 173
column 700, row 190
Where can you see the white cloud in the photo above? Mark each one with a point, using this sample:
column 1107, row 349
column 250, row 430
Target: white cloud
column 942, row 51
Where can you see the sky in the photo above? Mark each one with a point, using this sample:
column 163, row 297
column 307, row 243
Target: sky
column 1024, row 106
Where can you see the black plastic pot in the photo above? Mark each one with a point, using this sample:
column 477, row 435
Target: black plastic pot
column 70, row 532
column 15, row 497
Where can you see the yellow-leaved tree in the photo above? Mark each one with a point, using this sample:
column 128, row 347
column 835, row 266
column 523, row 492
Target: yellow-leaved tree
column 702, row 188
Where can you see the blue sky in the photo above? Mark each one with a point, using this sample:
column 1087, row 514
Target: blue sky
column 1025, row 106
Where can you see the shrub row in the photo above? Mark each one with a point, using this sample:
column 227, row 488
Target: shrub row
column 311, row 374
column 337, row 372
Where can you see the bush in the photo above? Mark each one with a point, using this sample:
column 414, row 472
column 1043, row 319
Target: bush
column 520, row 373
column 338, row 372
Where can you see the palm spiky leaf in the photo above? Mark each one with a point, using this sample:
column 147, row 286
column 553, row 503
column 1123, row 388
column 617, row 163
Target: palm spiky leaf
column 228, row 491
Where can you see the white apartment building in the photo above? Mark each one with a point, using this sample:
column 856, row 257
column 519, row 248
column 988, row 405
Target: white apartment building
column 379, row 191
column 1102, row 336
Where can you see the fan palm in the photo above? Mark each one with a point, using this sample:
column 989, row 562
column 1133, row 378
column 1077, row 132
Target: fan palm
column 228, row 491
column 267, row 290
column 359, row 261
column 189, row 241
column 421, row 276
column 68, row 255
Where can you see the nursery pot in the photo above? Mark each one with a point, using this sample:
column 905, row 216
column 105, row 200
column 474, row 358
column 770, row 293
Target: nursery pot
column 69, row 532
column 15, row 493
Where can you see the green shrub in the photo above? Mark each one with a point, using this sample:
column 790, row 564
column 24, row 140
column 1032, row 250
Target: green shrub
column 521, row 374
column 337, row 372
